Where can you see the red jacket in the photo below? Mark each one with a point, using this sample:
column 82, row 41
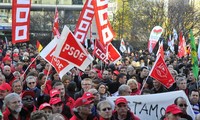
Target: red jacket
column 77, row 117
column 130, row 116
column 69, row 102
column 8, row 116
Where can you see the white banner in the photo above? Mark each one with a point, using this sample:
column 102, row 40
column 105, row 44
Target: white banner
column 152, row 106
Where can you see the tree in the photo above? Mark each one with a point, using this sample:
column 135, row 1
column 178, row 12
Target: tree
column 142, row 15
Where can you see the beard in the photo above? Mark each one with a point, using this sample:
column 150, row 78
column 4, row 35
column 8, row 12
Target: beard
column 17, row 110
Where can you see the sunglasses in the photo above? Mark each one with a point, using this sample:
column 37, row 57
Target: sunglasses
column 108, row 108
column 181, row 105
column 26, row 99
column 31, row 83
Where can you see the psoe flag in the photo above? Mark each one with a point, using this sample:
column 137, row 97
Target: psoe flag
column 61, row 66
column 161, row 73
column 72, row 51
column 154, row 37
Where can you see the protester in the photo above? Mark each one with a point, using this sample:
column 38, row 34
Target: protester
column 194, row 101
column 58, row 107
column 182, row 104
column 104, row 109
column 38, row 115
column 122, row 111
column 29, row 103
column 172, row 112
column 83, row 108
column 86, row 84
column 46, row 107
column 13, row 105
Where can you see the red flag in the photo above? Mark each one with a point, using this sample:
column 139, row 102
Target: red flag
column 20, row 20
column 161, row 73
column 61, row 66
column 160, row 50
column 56, row 24
column 100, row 52
column 106, row 34
column 72, row 51
column 113, row 54
column 84, row 21
column 181, row 46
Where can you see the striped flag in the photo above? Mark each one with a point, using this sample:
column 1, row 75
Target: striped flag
column 39, row 46
column 195, row 68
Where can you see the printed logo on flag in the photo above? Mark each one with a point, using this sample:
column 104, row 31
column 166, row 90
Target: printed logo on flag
column 72, row 50
column 161, row 73
column 21, row 32
column 21, row 20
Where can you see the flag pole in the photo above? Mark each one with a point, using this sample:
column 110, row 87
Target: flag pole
column 144, row 85
column 30, row 64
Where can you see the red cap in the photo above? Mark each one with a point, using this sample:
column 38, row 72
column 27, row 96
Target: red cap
column 116, row 72
column 88, row 95
column 54, row 92
column 121, row 100
column 5, row 86
column 0, row 51
column 54, row 101
column 16, row 55
column 28, row 92
column 173, row 109
column 44, row 105
column 7, row 58
column 82, row 101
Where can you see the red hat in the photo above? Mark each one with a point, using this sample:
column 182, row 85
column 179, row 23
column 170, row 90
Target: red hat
column 82, row 101
column 54, row 92
column 5, row 86
column 173, row 109
column 16, row 55
column 7, row 58
column 28, row 92
column 44, row 105
column 116, row 72
column 121, row 100
column 88, row 95
column 54, row 101
column 0, row 51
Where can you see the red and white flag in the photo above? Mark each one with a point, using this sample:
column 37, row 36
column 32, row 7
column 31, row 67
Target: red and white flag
column 154, row 37
column 181, row 46
column 113, row 55
column 160, row 50
column 72, row 51
column 161, row 73
column 100, row 52
column 84, row 21
column 20, row 20
column 171, row 43
column 106, row 34
column 61, row 66
column 122, row 46
column 56, row 24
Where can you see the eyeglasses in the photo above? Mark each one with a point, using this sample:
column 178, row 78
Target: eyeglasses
column 181, row 105
column 26, row 99
column 108, row 108
column 31, row 83
column 86, row 84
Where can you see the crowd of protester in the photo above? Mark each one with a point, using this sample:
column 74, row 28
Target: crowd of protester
column 30, row 88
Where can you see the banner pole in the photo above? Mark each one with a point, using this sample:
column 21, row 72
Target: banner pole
column 143, row 85
column 30, row 65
